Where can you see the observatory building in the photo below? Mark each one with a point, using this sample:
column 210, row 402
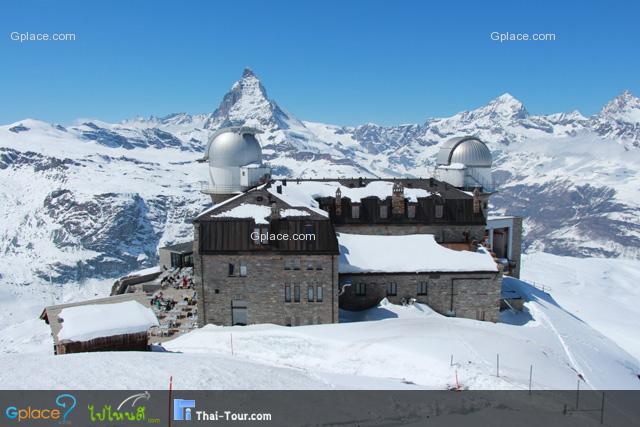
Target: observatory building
column 235, row 163
column 465, row 162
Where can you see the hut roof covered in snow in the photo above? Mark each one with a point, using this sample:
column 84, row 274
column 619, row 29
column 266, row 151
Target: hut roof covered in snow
column 413, row 253
column 86, row 322
column 98, row 320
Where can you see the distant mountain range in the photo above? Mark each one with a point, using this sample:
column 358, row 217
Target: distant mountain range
column 96, row 199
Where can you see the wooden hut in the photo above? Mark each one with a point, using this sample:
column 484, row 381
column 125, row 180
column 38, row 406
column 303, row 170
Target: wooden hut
column 117, row 323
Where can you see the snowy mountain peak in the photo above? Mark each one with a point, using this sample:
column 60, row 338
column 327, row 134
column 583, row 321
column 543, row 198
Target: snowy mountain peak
column 247, row 104
column 624, row 107
column 248, row 72
column 506, row 106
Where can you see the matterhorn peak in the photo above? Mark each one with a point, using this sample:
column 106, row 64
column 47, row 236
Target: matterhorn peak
column 246, row 104
column 248, row 72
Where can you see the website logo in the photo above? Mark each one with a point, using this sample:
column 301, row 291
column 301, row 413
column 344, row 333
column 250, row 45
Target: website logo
column 182, row 409
column 131, row 409
column 65, row 401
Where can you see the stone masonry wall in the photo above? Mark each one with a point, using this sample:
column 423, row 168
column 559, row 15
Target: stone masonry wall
column 475, row 295
column 516, row 250
column 263, row 288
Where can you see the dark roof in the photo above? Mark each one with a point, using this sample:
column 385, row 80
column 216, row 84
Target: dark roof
column 180, row 248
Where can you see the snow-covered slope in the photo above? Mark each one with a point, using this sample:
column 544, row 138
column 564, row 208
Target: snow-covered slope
column 601, row 292
column 95, row 200
column 385, row 347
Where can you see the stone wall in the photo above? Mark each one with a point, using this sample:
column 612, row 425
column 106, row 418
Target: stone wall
column 443, row 233
column 475, row 295
column 263, row 288
column 516, row 250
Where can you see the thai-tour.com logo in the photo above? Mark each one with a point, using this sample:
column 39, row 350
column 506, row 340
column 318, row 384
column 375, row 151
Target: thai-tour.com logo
column 185, row 410
column 59, row 410
column 131, row 409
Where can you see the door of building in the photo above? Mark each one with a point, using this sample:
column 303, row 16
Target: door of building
column 239, row 315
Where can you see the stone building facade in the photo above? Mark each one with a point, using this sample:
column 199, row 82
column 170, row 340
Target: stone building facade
column 287, row 290
column 471, row 295
column 289, row 283
column 240, row 280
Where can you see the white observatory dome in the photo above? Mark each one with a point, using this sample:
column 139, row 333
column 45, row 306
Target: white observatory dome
column 234, row 146
column 235, row 162
column 465, row 162
column 468, row 150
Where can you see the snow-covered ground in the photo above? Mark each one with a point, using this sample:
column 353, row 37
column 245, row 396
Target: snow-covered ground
column 387, row 347
column 605, row 293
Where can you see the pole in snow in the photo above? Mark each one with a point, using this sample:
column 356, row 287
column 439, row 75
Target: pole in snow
column 451, row 363
column 530, row 377
column 602, row 410
column 170, row 401
column 231, row 340
column 578, row 394
column 497, row 365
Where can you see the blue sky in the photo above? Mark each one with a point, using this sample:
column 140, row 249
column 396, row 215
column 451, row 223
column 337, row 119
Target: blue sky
column 331, row 61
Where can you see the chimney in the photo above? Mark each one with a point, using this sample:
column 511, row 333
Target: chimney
column 397, row 199
column 338, row 202
column 477, row 202
column 275, row 212
column 279, row 189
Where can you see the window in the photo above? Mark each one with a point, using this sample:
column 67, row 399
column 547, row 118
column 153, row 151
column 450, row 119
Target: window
column 392, row 289
column 292, row 263
column 361, row 289
column 319, row 293
column 310, row 293
column 296, row 263
column 243, row 269
column 319, row 265
column 309, row 264
column 384, row 211
column 439, row 211
column 262, row 235
column 411, row 211
column 287, row 293
column 287, row 264
column 355, row 211
column 421, row 288
column 232, row 269
column 296, row 293
column 308, row 229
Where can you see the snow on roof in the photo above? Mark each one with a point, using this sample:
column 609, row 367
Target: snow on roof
column 229, row 200
column 146, row 271
column 259, row 213
column 411, row 253
column 293, row 212
column 453, row 166
column 379, row 189
column 295, row 195
column 86, row 322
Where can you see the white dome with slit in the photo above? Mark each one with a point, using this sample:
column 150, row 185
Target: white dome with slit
column 467, row 150
column 465, row 162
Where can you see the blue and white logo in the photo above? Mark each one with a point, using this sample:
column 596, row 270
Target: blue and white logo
column 182, row 409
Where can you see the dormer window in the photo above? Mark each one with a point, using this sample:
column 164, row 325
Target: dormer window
column 384, row 211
